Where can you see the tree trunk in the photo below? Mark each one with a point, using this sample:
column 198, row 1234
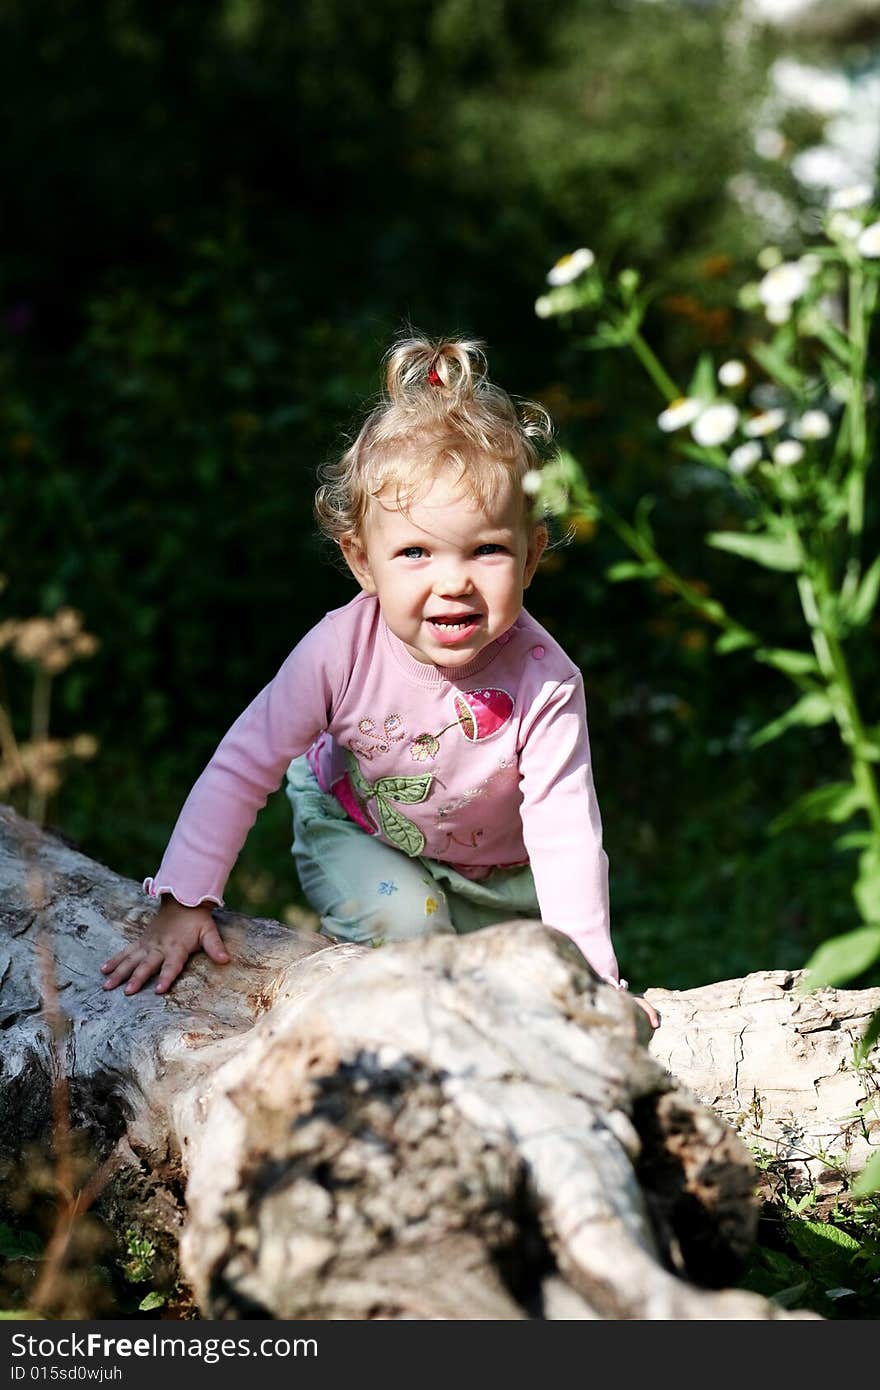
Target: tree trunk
column 452, row 1128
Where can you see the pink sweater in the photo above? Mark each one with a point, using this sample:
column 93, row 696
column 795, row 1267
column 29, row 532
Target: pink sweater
column 483, row 767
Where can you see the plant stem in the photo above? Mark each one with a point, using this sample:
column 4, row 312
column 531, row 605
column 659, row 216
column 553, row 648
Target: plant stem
column 813, row 590
column 652, row 365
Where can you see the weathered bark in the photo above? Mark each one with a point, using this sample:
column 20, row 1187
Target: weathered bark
column 777, row 1064
column 455, row 1128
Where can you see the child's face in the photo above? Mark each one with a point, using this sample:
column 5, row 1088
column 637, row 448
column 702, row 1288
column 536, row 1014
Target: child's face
column 449, row 577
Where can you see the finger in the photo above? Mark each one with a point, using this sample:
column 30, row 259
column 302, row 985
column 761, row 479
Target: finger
column 175, row 960
column 212, row 945
column 112, row 963
column 167, row 975
column 143, row 972
column 127, row 963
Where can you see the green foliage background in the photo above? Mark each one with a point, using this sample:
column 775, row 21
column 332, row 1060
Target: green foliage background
column 218, row 215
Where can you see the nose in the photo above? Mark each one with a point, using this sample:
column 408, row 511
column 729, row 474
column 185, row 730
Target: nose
column 453, row 581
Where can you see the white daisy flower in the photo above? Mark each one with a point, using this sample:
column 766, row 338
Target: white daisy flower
column 569, row 267
column 813, row 424
column 783, row 284
column 732, row 373
column 788, row 452
column 869, row 242
column 745, row 457
column 680, row 413
column 843, row 227
column 531, row 483
column 778, row 313
column 765, row 423
column 716, row 424
column 857, row 195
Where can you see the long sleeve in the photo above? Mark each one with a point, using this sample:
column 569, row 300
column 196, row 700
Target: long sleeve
column 249, row 764
column 562, row 828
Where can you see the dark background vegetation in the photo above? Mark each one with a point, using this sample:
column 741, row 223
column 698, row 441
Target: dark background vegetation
column 217, row 215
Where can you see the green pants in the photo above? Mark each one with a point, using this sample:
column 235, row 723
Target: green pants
column 368, row 892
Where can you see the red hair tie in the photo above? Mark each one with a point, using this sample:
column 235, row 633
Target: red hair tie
column 434, row 378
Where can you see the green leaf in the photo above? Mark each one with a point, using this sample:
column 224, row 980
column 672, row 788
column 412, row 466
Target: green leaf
column 631, row 569
column 868, row 1181
column 733, row 641
column 790, row 662
column 708, row 454
column 832, row 1235
column 773, row 552
column 812, row 709
column 644, row 507
column 776, row 366
column 400, row 831
column 702, row 383
column 409, row 790
column 867, row 886
column 359, row 781
column 865, row 1045
column 859, row 611
column 152, row 1300
column 842, row 958
column 836, row 342
column 859, row 839
column 836, row 801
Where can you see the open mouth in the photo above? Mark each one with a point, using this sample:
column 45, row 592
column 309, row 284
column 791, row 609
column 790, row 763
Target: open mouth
column 452, row 629
column 455, row 624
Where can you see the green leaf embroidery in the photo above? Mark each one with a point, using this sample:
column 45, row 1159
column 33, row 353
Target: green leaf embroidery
column 402, row 832
column 358, row 780
column 398, row 829
column 408, row 790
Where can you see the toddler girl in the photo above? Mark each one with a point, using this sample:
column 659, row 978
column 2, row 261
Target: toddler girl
column 434, row 735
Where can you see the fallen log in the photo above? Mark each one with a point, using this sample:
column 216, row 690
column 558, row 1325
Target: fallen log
column 780, row 1065
column 452, row 1128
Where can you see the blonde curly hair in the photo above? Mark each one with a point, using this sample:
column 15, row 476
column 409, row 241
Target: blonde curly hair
column 439, row 410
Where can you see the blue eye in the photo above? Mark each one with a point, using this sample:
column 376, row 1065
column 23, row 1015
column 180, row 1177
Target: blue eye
column 413, row 552
column 490, row 549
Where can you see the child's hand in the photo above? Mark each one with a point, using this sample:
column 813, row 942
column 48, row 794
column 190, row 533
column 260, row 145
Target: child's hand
column 653, row 1016
column 175, row 933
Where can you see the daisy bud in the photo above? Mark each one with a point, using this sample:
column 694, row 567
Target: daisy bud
column 788, row 452
column 732, row 373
